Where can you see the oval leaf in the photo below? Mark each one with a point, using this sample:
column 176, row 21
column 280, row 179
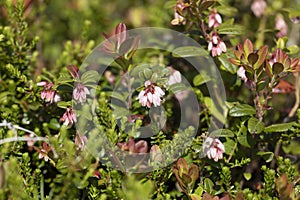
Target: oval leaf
column 189, row 51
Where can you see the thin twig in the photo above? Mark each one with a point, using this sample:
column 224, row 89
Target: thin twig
column 17, row 139
column 297, row 96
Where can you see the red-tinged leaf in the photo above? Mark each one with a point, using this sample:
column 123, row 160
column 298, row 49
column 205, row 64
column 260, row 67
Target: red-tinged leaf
column 279, row 55
column 141, row 146
column 240, row 48
column 237, row 54
column 248, row 47
column 207, row 196
column 234, row 61
column 120, row 34
column 74, row 71
column 294, row 63
column 194, row 172
column 262, row 54
column 195, row 197
column 283, row 87
column 287, row 63
column 225, row 197
column 182, row 166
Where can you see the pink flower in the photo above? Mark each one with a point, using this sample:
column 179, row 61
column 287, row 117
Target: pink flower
column 213, row 148
column 134, row 147
column 80, row 92
column 43, row 153
column 69, row 117
column 281, row 25
column 80, row 141
column 175, row 76
column 48, row 94
column 150, row 95
column 258, row 7
column 214, row 19
column 216, row 45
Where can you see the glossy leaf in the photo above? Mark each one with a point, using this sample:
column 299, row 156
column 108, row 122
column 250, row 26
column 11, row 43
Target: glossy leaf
column 242, row 110
column 255, row 126
column 280, row 127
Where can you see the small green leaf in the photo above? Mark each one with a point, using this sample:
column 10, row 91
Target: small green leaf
column 139, row 68
column 208, row 185
column 222, row 133
column 242, row 110
column 267, row 156
column 177, row 87
column 64, row 104
column 255, row 126
column 293, row 49
column 54, row 124
column 247, row 176
column 189, row 51
column 280, row 127
column 244, row 138
column 147, row 73
column 228, row 63
column 91, row 76
column 201, row 79
column 229, row 145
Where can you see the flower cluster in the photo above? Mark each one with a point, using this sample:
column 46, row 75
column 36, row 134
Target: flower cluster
column 48, row 93
column 213, row 148
column 150, row 95
column 216, row 45
column 69, row 117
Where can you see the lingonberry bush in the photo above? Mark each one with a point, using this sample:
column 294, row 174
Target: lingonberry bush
column 54, row 89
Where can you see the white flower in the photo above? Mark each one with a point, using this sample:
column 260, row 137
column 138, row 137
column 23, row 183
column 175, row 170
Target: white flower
column 175, row 76
column 150, row 95
column 216, row 45
column 213, row 148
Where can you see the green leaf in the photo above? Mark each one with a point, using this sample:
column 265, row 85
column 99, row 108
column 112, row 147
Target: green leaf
column 242, row 110
column 139, row 68
column 201, row 79
column 267, row 156
column 217, row 113
column 147, row 73
column 225, row 61
column 230, row 29
column 244, row 139
column 54, row 124
column 90, row 77
column 64, row 104
column 222, row 133
column 208, row 185
column 189, row 51
column 229, row 145
column 255, row 126
column 280, row 127
column 293, row 49
column 177, row 87
column 247, row 176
